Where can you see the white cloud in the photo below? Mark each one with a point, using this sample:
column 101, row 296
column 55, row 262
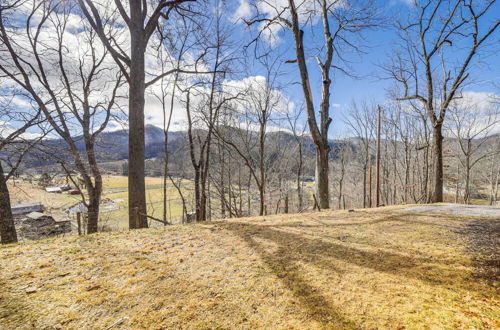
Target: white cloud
column 77, row 51
column 308, row 11
column 474, row 114
column 244, row 11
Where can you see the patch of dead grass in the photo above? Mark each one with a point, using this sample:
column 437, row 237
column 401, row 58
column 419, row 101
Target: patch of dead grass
column 366, row 269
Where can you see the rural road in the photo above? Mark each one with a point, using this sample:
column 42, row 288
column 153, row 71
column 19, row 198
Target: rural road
column 459, row 209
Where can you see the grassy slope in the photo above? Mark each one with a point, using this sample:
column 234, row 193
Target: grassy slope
column 366, row 269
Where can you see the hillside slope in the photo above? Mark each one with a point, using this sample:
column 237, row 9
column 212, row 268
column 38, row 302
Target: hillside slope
column 383, row 268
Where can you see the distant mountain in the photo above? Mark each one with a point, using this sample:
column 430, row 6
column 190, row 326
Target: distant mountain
column 113, row 146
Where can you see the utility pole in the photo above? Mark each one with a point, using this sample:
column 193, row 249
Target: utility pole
column 370, row 183
column 378, row 159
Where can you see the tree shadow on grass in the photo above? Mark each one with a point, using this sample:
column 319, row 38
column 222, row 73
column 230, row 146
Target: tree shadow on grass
column 289, row 272
column 484, row 244
column 295, row 249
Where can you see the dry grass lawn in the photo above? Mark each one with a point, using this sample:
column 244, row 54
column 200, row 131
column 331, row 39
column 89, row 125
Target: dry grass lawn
column 367, row 269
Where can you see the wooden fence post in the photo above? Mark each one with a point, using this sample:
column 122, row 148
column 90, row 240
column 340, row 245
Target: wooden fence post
column 316, row 204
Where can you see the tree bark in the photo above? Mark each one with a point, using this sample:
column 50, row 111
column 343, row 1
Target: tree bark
column 262, row 170
column 437, row 150
column 136, row 181
column 364, row 183
column 93, row 212
column 377, row 190
column 322, row 179
column 319, row 136
column 7, row 228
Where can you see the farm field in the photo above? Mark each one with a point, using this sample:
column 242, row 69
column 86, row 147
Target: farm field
column 114, row 208
column 377, row 268
column 115, row 189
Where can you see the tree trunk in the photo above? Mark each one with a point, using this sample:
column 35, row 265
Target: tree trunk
column 495, row 190
column 93, row 212
column 7, row 228
column 370, row 185
column 203, row 199
column 222, row 183
column 320, row 137
column 262, row 202
column 197, row 197
column 340, row 193
column 495, row 176
column 377, row 191
column 136, row 181
column 437, row 150
column 322, row 176
column 467, row 181
column 364, row 183
column 262, row 170
column 458, row 182
column 299, row 186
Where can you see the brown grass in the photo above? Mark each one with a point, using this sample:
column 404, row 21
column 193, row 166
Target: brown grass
column 366, row 269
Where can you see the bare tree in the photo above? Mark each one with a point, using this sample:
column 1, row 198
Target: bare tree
column 340, row 25
column 70, row 90
column 171, row 52
column 298, row 135
column 14, row 123
column 440, row 41
column 360, row 121
column 205, row 99
column 141, row 24
column 472, row 124
column 260, row 104
column 492, row 172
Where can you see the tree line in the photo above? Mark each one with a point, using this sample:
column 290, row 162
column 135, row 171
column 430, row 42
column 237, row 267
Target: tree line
column 70, row 68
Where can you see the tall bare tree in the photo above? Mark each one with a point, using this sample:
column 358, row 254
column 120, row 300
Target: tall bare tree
column 298, row 135
column 340, row 24
column 141, row 19
column 172, row 47
column 70, row 90
column 440, row 41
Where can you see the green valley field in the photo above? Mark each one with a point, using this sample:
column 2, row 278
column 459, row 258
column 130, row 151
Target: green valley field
column 115, row 189
column 384, row 268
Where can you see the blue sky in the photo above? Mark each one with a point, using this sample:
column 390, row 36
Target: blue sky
column 379, row 44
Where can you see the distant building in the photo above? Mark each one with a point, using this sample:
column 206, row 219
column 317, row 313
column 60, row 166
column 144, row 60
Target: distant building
column 65, row 187
column 77, row 208
column 25, row 208
column 54, row 190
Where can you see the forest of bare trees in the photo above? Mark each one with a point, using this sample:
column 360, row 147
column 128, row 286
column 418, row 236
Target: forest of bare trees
column 71, row 69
